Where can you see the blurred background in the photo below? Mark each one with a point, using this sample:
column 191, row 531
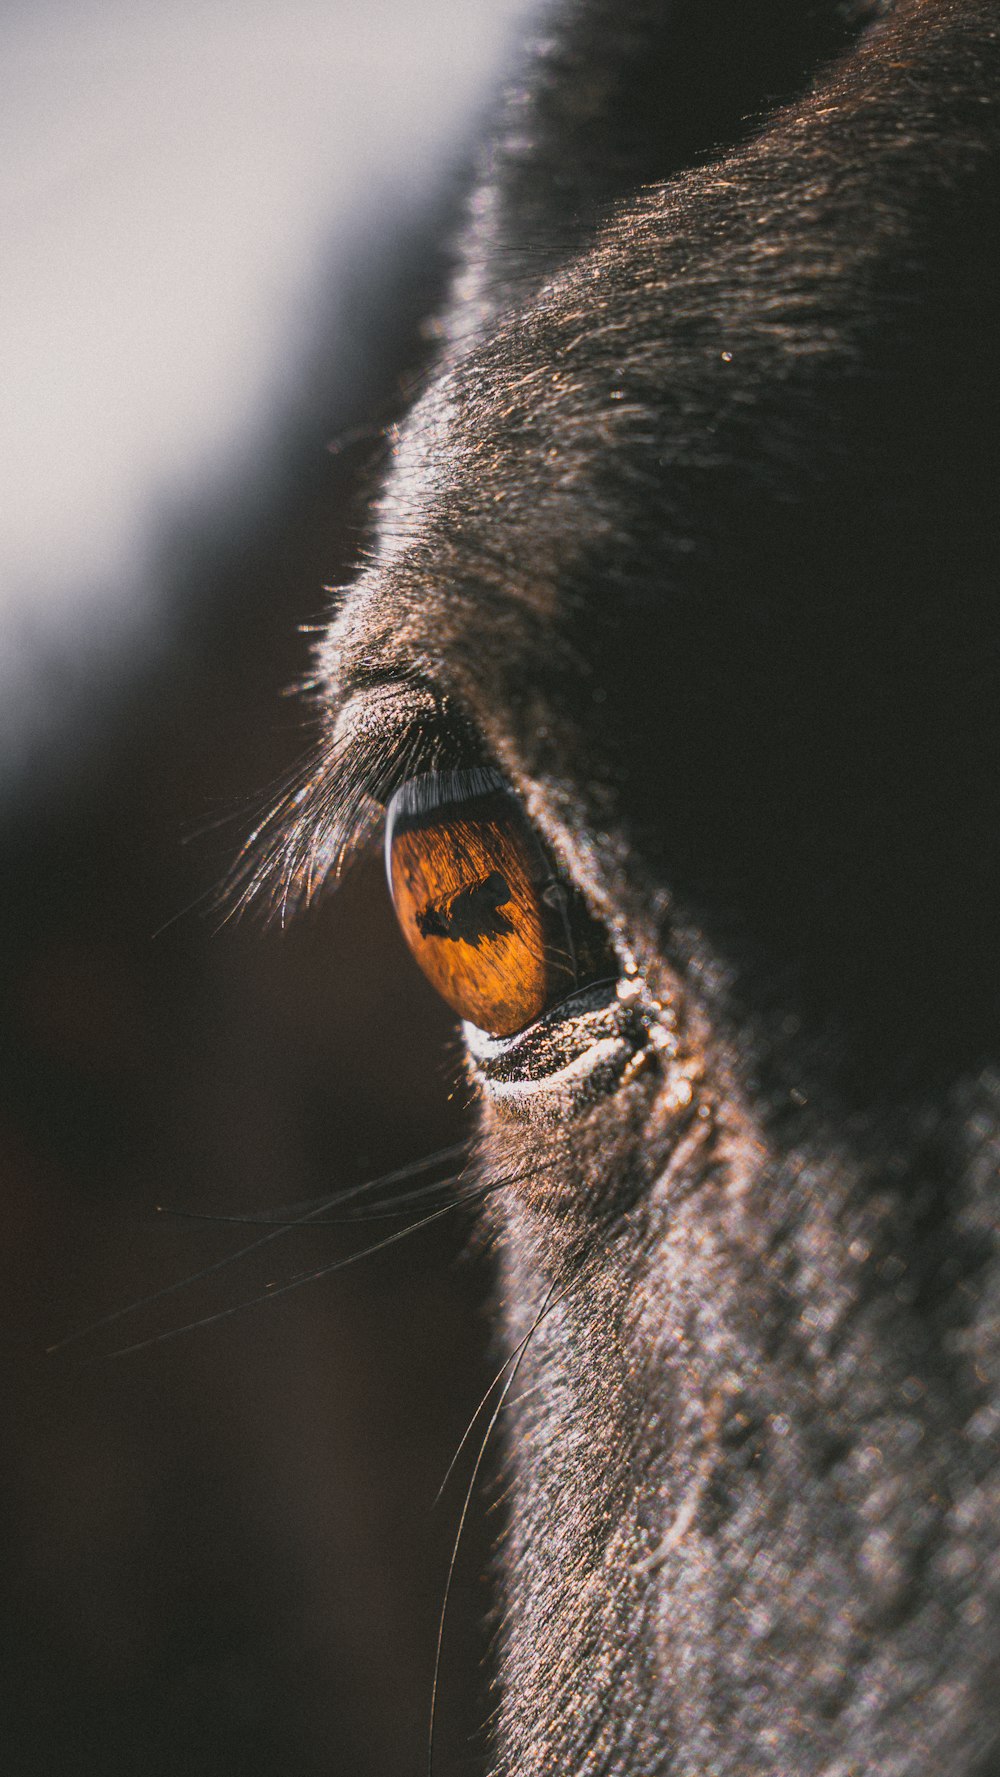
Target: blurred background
column 221, row 228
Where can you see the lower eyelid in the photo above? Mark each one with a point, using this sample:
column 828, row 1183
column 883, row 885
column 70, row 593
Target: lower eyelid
column 587, row 1041
column 609, row 1056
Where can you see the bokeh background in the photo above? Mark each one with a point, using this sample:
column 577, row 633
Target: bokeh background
column 220, row 229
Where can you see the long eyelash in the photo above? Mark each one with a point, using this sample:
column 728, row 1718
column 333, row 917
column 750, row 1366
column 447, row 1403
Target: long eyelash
column 326, row 816
column 332, row 806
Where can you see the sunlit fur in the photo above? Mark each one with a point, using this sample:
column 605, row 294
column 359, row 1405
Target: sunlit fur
column 696, row 533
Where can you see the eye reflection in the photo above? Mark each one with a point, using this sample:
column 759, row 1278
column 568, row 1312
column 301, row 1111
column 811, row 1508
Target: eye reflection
column 481, row 905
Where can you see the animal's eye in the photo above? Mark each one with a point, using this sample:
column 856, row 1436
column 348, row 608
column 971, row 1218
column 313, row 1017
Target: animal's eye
column 493, row 925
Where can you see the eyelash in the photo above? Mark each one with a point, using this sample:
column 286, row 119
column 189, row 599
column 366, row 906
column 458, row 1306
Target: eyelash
column 398, row 753
column 390, row 738
column 332, row 808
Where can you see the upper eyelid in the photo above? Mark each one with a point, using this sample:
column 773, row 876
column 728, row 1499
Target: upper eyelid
column 395, row 729
column 375, row 725
column 329, row 810
column 378, row 734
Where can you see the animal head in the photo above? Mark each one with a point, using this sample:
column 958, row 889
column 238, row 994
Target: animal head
column 676, row 667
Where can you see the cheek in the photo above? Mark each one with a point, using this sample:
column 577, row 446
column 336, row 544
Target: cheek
column 590, row 1142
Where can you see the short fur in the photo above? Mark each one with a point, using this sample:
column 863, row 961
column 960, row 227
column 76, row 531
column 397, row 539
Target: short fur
column 695, row 534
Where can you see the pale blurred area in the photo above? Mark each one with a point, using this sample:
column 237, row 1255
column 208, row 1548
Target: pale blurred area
column 185, row 192
column 221, row 227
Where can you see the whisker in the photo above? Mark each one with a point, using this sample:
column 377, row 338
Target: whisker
column 309, row 1217
column 511, row 1358
column 473, row 1478
column 291, row 1218
column 294, row 1283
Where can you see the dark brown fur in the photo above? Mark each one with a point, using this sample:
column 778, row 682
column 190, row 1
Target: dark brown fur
column 695, row 534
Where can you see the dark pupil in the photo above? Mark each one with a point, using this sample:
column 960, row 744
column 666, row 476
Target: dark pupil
column 471, row 915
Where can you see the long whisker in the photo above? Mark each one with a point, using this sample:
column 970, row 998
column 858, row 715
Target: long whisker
column 287, row 1213
column 292, row 1216
column 293, row 1283
column 310, row 1216
column 547, row 1305
column 512, row 1357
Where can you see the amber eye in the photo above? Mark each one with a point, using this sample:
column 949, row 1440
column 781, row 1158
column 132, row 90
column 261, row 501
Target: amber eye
column 493, row 926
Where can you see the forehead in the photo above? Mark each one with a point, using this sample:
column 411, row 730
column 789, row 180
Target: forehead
column 665, row 429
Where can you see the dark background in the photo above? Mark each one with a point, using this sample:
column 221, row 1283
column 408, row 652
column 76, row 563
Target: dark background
column 221, row 1551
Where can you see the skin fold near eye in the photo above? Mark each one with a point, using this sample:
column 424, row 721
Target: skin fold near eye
column 497, row 932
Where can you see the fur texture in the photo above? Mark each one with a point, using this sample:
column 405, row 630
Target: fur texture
column 694, row 534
